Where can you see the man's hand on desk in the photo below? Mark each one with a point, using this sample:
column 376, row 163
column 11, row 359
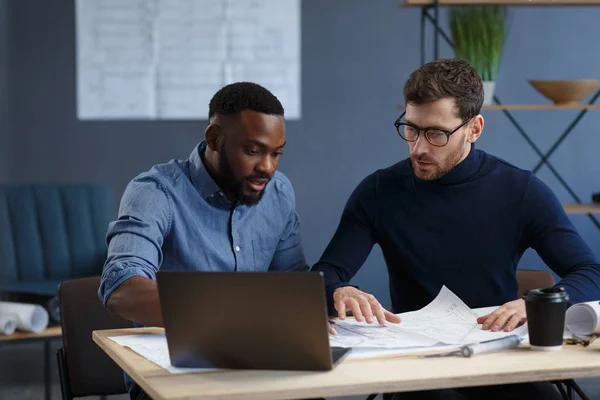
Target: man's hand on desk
column 331, row 328
column 364, row 306
column 507, row 317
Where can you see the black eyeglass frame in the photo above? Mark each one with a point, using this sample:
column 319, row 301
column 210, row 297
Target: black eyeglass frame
column 398, row 124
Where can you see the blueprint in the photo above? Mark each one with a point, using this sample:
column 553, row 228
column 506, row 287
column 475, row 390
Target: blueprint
column 443, row 324
column 165, row 59
column 154, row 348
column 447, row 320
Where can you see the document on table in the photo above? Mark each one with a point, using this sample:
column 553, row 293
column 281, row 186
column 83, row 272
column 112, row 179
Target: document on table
column 444, row 323
column 154, row 348
column 447, row 320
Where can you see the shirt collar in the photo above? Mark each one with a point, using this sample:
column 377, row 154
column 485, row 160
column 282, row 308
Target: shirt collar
column 201, row 179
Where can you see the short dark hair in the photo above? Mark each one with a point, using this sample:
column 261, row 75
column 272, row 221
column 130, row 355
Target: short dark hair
column 240, row 96
column 446, row 78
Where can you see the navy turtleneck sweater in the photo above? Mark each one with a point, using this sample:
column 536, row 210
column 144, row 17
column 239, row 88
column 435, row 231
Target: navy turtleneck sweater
column 466, row 230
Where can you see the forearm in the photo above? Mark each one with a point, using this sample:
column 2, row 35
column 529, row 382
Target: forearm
column 551, row 233
column 333, row 277
column 343, row 257
column 582, row 284
column 137, row 300
column 346, row 252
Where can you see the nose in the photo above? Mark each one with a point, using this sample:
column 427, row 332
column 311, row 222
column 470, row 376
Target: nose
column 421, row 145
column 267, row 165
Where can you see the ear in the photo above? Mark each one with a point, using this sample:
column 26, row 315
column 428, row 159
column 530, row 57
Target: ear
column 475, row 129
column 213, row 136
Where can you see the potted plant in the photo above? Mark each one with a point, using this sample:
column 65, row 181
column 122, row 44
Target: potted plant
column 478, row 34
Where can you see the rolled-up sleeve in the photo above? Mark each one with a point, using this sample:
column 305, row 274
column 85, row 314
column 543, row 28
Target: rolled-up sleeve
column 135, row 239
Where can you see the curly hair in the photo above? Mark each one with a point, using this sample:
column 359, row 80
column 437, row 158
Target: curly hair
column 237, row 97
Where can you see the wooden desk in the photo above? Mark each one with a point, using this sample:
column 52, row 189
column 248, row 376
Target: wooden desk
column 351, row 377
column 48, row 333
column 45, row 336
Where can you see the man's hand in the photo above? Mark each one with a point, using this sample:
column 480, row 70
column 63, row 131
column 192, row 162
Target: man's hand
column 506, row 317
column 330, row 327
column 364, row 306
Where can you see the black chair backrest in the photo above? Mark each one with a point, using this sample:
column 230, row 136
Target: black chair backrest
column 89, row 371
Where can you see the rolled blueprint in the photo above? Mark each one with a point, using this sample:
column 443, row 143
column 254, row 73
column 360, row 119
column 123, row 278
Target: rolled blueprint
column 583, row 319
column 30, row 317
column 8, row 323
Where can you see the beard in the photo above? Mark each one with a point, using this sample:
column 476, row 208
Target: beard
column 437, row 168
column 236, row 186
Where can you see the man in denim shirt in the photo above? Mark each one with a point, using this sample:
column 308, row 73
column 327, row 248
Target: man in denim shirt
column 225, row 208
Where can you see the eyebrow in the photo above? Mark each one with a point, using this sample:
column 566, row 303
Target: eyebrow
column 264, row 146
column 428, row 127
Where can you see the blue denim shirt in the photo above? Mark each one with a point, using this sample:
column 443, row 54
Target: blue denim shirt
column 175, row 217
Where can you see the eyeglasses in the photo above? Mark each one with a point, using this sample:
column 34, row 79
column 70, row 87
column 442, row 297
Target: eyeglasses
column 583, row 340
column 435, row 136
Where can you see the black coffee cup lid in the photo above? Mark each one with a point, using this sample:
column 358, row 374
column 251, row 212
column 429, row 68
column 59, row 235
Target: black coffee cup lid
column 553, row 293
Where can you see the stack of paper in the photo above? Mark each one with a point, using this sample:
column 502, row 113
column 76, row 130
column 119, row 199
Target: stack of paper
column 444, row 323
column 447, row 320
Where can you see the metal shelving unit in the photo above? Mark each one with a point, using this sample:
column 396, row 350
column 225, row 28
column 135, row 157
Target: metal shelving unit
column 430, row 13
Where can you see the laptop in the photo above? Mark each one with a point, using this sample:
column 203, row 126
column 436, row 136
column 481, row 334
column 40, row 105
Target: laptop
column 247, row 320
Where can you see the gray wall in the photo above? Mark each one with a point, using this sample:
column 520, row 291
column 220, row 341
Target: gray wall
column 5, row 132
column 356, row 55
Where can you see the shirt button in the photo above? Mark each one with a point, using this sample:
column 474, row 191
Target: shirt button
column 237, row 248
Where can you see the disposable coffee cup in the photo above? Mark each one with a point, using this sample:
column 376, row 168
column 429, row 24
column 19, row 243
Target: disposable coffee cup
column 546, row 310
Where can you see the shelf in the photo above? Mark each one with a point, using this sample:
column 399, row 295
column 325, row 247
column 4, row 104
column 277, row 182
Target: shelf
column 421, row 3
column 529, row 107
column 575, row 208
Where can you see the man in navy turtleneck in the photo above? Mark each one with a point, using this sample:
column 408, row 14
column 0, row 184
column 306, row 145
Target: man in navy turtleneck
column 456, row 216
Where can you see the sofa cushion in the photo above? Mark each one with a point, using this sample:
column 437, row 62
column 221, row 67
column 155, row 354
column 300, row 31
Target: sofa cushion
column 51, row 232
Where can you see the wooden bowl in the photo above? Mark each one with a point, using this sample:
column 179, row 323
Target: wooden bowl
column 566, row 91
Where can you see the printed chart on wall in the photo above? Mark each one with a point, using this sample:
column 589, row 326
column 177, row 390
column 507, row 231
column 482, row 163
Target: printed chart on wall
column 165, row 59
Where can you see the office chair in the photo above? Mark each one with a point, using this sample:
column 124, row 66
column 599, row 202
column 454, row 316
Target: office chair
column 84, row 369
column 528, row 279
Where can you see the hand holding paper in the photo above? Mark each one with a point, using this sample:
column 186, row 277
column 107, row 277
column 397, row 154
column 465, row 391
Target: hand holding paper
column 446, row 320
column 364, row 306
column 507, row 317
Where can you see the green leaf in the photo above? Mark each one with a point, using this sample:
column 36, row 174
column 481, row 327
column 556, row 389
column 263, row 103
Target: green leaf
column 478, row 34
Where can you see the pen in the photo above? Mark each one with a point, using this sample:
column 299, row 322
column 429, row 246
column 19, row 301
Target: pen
column 488, row 346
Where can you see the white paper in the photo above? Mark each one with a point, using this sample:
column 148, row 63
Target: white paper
column 165, row 59
column 583, row 319
column 8, row 323
column 447, row 320
column 442, row 325
column 30, row 317
column 477, row 335
column 154, row 348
